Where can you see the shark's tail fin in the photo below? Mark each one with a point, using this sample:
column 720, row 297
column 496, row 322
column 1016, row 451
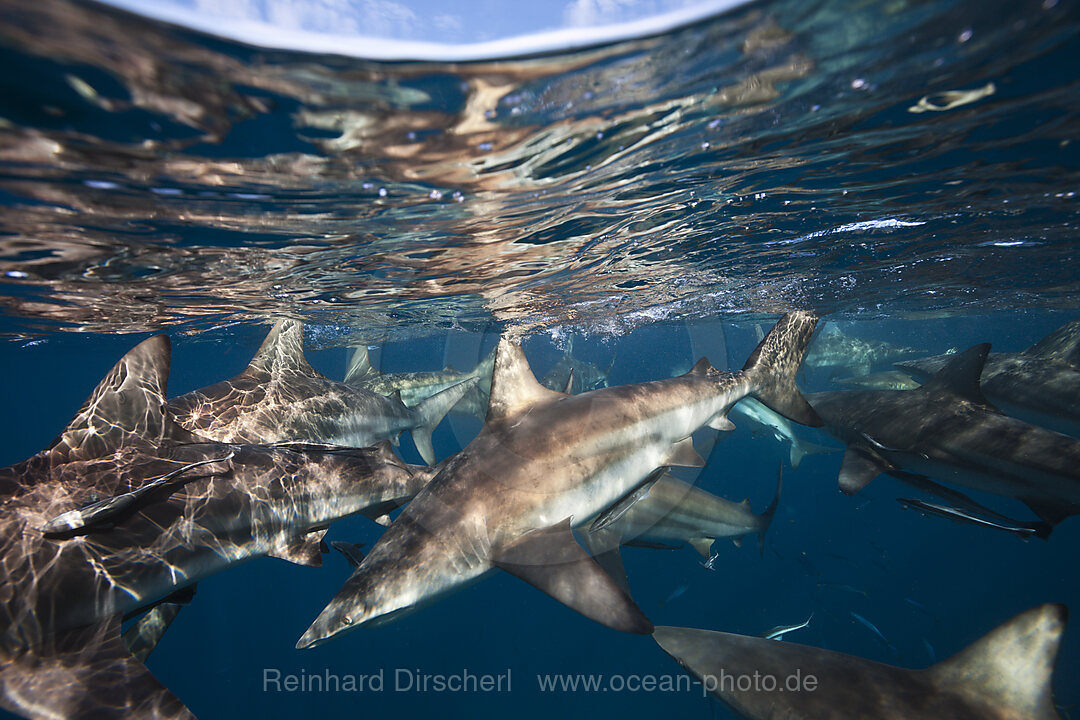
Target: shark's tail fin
column 360, row 367
column 1011, row 666
column 430, row 413
column 771, row 510
column 773, row 365
column 801, row 448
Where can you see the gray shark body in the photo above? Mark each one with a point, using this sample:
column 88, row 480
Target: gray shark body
column 947, row 430
column 413, row 388
column 887, row 380
column 781, row 429
column 545, row 461
column 1040, row 385
column 1005, row 675
column 675, row 510
column 573, row 375
column 279, row 397
column 125, row 508
column 832, row 348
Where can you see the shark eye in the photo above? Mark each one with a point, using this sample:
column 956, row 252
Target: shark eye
column 347, row 620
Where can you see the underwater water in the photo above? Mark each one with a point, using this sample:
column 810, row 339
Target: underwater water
column 908, row 171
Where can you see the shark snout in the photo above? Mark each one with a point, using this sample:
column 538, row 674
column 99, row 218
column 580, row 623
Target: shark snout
column 336, row 618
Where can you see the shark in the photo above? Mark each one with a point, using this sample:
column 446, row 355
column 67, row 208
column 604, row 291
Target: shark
column 679, row 511
column 572, row 375
column 1040, row 385
column 833, row 348
column 781, row 430
column 946, row 429
column 413, row 388
column 126, row 508
column 279, row 397
column 543, row 463
column 887, row 380
column 1005, row 675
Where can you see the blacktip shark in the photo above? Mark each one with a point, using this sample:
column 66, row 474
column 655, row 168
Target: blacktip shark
column 886, row 380
column 947, row 430
column 833, row 348
column 677, row 510
column 543, row 462
column 573, row 375
column 781, row 430
column 279, row 397
column 1040, row 385
column 1005, row 675
column 413, row 388
column 125, row 508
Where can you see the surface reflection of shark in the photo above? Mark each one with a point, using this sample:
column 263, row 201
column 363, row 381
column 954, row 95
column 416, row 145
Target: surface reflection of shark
column 413, row 388
column 832, row 348
column 1040, row 385
column 947, row 430
column 279, row 397
column 124, row 508
column 1005, row 675
column 543, row 461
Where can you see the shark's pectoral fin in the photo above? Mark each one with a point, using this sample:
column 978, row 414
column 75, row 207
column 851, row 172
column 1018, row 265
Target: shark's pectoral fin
column 683, row 454
column 603, row 545
column 551, row 560
column 146, row 632
column 82, row 674
column 721, row 422
column 568, row 389
column 861, row 465
column 1050, row 511
column 703, row 546
column 351, row 551
column 306, row 549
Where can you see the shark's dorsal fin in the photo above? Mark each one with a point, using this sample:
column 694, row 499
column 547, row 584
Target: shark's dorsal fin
column 1010, row 667
column 282, row 352
column 359, row 366
column 701, row 367
column 513, row 385
column 127, row 406
column 960, row 376
column 1062, row 345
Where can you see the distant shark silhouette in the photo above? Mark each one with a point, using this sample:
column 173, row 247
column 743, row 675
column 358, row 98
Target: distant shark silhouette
column 414, row 388
column 573, row 376
column 1006, row 675
column 543, row 461
column 279, row 397
column 1040, row 385
column 832, row 348
column 126, row 507
column 947, row 430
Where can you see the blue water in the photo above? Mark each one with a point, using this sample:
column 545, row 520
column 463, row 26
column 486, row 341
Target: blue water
column 658, row 199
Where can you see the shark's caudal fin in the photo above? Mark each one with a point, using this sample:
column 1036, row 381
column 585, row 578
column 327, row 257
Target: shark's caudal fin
column 86, row 673
column 774, row 363
column 513, row 385
column 551, row 560
column 1010, row 667
column 801, row 448
column 282, row 352
column 360, row 367
column 127, row 406
column 1062, row 345
column 431, row 412
column 770, row 511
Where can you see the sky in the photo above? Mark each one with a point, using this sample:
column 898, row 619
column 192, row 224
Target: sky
column 419, row 27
